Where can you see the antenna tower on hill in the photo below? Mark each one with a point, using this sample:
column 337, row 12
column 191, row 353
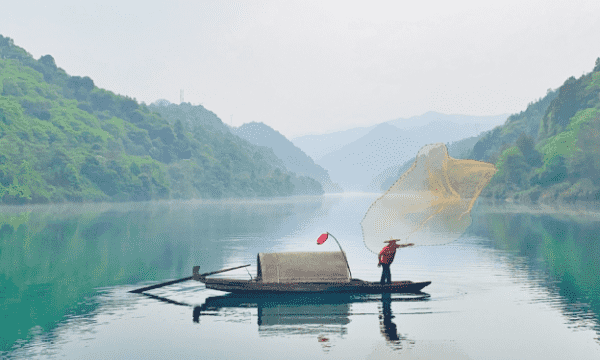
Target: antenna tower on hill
column 181, row 96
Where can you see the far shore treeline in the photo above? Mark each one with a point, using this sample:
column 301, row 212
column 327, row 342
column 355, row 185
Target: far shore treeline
column 64, row 139
column 549, row 153
column 546, row 154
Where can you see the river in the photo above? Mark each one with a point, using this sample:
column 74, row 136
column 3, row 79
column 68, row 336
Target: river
column 520, row 283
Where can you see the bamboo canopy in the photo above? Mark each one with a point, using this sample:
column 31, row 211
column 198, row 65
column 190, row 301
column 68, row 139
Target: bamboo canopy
column 290, row 267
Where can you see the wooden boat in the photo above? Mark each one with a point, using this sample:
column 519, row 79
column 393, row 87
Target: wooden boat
column 304, row 272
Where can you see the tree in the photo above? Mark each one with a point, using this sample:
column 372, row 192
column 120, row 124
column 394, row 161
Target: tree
column 102, row 100
column 77, row 82
column 597, row 67
column 179, row 131
column 127, row 105
column 555, row 172
column 526, row 144
column 48, row 60
column 515, row 168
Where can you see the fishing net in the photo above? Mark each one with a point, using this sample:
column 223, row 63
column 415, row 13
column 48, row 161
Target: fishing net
column 431, row 202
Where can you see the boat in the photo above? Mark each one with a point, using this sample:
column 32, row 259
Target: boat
column 325, row 272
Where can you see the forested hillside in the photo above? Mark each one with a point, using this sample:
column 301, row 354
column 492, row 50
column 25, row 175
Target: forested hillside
column 551, row 151
column 527, row 122
column 64, row 139
column 207, row 128
column 294, row 159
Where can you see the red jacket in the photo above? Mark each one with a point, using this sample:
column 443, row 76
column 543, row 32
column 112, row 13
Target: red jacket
column 386, row 255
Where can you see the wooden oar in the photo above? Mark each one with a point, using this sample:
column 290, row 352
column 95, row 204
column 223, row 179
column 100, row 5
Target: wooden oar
column 220, row 271
column 140, row 290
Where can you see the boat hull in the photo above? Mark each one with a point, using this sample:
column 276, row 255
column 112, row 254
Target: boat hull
column 354, row 286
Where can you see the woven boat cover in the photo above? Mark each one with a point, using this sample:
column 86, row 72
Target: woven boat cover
column 288, row 267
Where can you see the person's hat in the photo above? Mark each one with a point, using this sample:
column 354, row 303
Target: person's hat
column 391, row 241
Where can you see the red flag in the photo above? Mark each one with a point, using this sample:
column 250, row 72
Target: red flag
column 322, row 238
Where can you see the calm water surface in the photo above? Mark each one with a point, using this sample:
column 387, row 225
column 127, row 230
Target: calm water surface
column 520, row 284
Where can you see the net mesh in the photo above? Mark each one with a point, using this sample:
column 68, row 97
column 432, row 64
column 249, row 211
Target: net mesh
column 431, row 202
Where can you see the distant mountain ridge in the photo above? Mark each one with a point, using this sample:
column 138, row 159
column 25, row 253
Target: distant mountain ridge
column 354, row 165
column 485, row 122
column 358, row 165
column 317, row 146
column 292, row 157
column 436, row 127
column 459, row 150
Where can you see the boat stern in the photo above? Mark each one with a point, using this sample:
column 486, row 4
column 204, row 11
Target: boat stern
column 196, row 274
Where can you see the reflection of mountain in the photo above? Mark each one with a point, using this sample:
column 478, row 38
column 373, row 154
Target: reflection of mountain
column 71, row 251
column 561, row 250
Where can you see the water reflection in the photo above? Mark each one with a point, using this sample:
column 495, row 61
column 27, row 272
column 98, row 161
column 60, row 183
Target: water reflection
column 561, row 253
column 52, row 262
column 52, row 258
column 323, row 316
column 388, row 328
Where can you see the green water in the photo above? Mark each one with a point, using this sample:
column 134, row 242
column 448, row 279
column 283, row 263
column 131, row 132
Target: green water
column 563, row 244
column 52, row 259
column 527, row 279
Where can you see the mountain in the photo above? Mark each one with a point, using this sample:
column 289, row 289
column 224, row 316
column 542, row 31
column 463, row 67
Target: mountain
column 367, row 163
column 292, row 157
column 480, row 123
column 64, row 139
column 429, row 127
column 354, row 165
column 317, row 146
column 549, row 153
column 190, row 115
column 459, row 150
column 445, row 131
column 207, row 126
column 490, row 146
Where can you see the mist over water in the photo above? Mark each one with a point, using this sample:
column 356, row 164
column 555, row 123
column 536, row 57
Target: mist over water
column 517, row 284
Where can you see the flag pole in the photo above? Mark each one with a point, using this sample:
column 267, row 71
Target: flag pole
column 343, row 253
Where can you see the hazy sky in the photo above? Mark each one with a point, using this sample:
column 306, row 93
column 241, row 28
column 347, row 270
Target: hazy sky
column 305, row 67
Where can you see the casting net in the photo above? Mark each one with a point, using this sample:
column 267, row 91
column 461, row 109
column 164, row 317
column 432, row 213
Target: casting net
column 431, row 202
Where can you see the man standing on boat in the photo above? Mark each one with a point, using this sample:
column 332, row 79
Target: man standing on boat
column 386, row 256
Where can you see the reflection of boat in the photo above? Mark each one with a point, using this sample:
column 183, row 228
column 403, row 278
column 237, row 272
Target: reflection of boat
column 304, row 272
column 291, row 315
column 299, row 313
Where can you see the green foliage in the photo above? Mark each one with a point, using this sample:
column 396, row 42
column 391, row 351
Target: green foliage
column 574, row 95
column 564, row 162
column 526, row 145
column 64, row 139
column 553, row 172
column 527, row 122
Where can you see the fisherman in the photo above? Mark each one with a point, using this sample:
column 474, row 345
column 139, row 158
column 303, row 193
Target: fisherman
column 386, row 256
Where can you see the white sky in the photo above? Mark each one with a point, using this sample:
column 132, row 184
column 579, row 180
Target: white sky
column 308, row 67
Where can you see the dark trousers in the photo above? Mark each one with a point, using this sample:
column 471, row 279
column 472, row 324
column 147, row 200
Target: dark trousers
column 386, row 274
